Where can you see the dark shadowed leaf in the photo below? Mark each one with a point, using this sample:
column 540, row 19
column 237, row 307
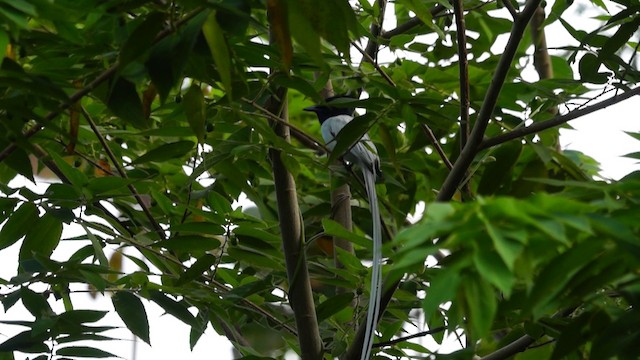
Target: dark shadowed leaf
column 84, row 352
column 125, row 103
column 132, row 312
column 43, row 236
column 18, row 224
column 194, row 109
column 165, row 152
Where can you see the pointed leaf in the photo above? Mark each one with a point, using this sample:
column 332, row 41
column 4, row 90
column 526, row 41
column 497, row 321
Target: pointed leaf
column 125, row 103
column 42, row 238
column 166, row 152
column 219, row 50
column 18, row 224
column 194, row 108
column 84, row 351
column 132, row 312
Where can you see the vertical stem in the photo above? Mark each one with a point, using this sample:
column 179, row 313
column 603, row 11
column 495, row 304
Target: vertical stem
column 461, row 33
column 300, row 295
column 542, row 63
column 458, row 9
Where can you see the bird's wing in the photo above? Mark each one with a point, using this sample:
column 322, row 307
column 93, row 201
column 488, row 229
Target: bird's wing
column 363, row 153
column 331, row 127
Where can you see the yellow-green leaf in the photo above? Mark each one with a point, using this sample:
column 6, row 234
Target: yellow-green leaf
column 219, row 50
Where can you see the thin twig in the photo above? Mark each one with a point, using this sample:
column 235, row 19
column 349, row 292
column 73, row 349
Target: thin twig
column 368, row 59
column 556, row 121
column 123, row 174
column 416, row 335
column 436, row 145
column 469, row 152
column 308, row 139
column 410, row 24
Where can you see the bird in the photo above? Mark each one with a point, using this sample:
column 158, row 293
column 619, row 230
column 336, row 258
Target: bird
column 363, row 154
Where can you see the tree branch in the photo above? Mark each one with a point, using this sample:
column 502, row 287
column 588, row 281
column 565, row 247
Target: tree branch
column 413, row 22
column 513, row 348
column 512, row 10
column 491, row 98
column 436, row 145
column 376, row 28
column 123, row 174
column 413, row 336
column 556, row 121
column 78, row 95
column 300, row 295
column 458, row 10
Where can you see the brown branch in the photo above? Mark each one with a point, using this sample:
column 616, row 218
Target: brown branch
column 78, row 95
column 542, row 61
column 376, row 28
column 436, row 145
column 369, row 59
column 123, row 174
column 300, row 294
column 410, row 24
column 458, row 10
column 556, row 121
column 299, row 134
column 470, row 150
column 512, row 10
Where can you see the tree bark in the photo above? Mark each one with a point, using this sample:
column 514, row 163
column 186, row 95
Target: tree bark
column 300, row 294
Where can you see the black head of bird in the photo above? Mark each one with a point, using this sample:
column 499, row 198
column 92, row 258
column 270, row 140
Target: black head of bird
column 332, row 107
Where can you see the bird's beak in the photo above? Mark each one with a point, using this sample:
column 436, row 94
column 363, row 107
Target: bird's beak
column 311, row 108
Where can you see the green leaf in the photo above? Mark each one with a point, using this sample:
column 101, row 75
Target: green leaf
column 4, row 41
column 125, row 103
column 304, row 33
column 188, row 243
column 19, row 223
column 35, row 303
column 175, row 308
column 493, row 269
column 82, row 316
column 556, row 275
column 102, row 186
column 141, row 38
column 219, row 50
column 26, row 341
column 497, row 173
column 620, row 38
column 442, row 288
column 482, row 306
column 333, row 305
column 83, row 351
column 76, row 177
column 42, row 238
column 19, row 159
column 589, row 69
column 199, row 227
column 331, row 227
column 166, row 152
column 132, row 312
column 203, row 264
column 194, row 108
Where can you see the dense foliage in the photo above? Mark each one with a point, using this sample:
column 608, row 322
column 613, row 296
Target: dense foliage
column 155, row 117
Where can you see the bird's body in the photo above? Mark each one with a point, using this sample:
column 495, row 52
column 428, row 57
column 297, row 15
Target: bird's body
column 364, row 155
